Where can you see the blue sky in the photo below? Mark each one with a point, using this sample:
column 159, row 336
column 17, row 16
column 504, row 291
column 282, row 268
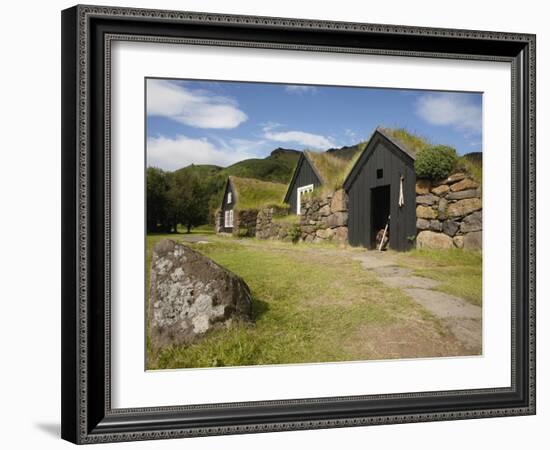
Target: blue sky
column 204, row 122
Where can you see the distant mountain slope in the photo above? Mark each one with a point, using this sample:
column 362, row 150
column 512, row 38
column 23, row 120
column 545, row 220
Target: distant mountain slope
column 277, row 167
column 346, row 152
column 201, row 170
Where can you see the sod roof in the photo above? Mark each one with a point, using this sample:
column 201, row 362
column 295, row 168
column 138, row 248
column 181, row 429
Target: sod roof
column 255, row 194
column 409, row 142
column 328, row 167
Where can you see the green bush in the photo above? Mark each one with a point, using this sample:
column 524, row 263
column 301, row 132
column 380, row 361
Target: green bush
column 295, row 232
column 436, row 162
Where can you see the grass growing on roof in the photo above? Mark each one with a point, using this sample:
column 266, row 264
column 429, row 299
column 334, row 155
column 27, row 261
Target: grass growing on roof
column 256, row 194
column 330, row 167
column 412, row 141
column 333, row 170
column 474, row 168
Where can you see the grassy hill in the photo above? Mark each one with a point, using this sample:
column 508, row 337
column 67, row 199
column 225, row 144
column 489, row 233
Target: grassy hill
column 347, row 152
column 201, row 170
column 277, row 167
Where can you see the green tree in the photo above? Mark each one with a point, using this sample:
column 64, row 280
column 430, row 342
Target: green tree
column 188, row 198
column 157, row 199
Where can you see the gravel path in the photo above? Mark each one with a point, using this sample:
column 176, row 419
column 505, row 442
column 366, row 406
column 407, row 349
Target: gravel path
column 461, row 317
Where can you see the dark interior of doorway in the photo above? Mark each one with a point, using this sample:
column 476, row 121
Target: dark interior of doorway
column 380, row 210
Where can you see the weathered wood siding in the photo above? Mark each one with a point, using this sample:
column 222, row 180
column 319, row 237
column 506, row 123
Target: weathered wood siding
column 304, row 176
column 382, row 154
column 227, row 206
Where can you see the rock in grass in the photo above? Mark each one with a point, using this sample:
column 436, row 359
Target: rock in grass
column 473, row 241
column 458, row 241
column 190, row 295
column 432, row 240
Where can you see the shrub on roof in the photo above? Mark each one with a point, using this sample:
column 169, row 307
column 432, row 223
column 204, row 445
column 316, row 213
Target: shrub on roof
column 435, row 162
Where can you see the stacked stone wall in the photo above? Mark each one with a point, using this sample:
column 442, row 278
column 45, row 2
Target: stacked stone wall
column 323, row 218
column 449, row 213
column 244, row 222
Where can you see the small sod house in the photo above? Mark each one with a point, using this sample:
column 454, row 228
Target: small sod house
column 381, row 190
column 241, row 201
column 313, row 169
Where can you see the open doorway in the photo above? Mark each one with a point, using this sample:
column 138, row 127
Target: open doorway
column 380, row 211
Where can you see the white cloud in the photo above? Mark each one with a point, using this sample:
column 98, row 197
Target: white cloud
column 268, row 126
column 300, row 89
column 350, row 133
column 180, row 151
column 309, row 140
column 196, row 108
column 450, row 109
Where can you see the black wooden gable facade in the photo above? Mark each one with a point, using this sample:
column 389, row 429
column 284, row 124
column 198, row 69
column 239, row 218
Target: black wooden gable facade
column 304, row 175
column 227, row 207
column 384, row 170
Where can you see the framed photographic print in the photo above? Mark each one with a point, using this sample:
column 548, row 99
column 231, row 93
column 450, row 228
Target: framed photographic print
column 279, row 224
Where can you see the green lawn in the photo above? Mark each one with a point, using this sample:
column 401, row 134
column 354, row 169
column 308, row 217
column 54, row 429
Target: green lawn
column 459, row 271
column 201, row 229
column 309, row 305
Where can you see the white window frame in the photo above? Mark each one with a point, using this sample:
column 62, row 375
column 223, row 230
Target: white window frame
column 229, row 197
column 228, row 219
column 302, row 190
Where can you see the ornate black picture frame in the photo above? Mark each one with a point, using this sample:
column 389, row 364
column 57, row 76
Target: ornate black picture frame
column 87, row 34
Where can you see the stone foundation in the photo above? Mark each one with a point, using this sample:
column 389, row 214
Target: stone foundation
column 244, row 222
column 324, row 218
column 449, row 213
column 218, row 221
column 267, row 228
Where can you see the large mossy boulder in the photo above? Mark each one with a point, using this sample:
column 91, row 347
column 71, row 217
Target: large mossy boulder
column 190, row 295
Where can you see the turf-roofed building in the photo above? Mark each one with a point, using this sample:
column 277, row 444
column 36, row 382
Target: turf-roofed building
column 241, row 201
column 313, row 170
column 357, row 197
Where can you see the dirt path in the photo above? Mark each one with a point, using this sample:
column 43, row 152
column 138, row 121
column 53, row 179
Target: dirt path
column 461, row 317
